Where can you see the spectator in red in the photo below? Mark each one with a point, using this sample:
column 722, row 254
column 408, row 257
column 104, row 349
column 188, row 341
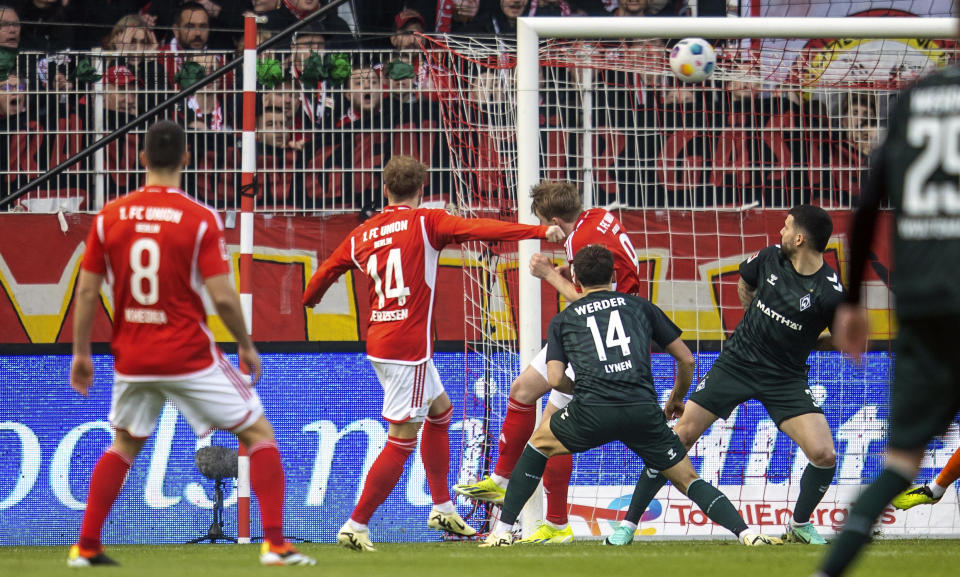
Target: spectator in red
column 364, row 98
column 454, row 15
column 316, row 101
column 13, row 101
column 20, row 136
column 191, row 31
column 849, row 158
column 121, row 87
column 408, row 22
column 363, row 134
column 279, row 160
column 208, row 104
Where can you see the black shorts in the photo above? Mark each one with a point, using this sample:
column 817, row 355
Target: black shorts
column 725, row 387
column 642, row 428
column 925, row 394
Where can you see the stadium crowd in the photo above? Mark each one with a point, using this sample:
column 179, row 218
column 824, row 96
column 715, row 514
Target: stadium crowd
column 322, row 141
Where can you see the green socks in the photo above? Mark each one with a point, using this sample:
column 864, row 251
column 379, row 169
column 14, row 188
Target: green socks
column 716, row 505
column 813, row 484
column 523, row 482
column 649, row 483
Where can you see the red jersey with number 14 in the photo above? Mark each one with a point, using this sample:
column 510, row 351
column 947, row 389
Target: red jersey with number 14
column 155, row 246
column 600, row 226
column 399, row 250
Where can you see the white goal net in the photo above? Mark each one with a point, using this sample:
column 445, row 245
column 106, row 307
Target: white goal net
column 701, row 176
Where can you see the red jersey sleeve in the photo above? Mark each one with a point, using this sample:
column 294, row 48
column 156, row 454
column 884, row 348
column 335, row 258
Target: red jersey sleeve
column 93, row 256
column 447, row 229
column 338, row 263
column 212, row 259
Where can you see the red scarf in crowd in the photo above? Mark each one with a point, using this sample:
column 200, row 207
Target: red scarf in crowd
column 444, row 15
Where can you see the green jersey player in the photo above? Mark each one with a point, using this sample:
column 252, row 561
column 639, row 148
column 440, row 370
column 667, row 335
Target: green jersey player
column 606, row 337
column 916, row 173
column 790, row 295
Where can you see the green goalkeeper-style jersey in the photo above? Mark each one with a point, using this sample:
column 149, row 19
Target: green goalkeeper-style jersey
column 920, row 164
column 606, row 337
column 788, row 312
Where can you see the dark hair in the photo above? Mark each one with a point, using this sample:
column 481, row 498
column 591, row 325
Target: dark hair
column 165, row 145
column 815, row 222
column 190, row 7
column 593, row 266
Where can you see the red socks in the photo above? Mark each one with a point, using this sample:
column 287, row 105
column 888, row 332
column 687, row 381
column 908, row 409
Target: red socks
column 266, row 479
column 105, row 484
column 556, row 483
column 951, row 472
column 435, row 453
column 517, row 427
column 383, row 477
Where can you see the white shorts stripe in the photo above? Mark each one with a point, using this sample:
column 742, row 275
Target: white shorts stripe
column 235, row 377
column 216, row 400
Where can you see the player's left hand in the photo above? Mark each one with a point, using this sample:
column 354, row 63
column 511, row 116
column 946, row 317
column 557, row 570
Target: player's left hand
column 81, row 374
column 673, row 409
column 540, row 265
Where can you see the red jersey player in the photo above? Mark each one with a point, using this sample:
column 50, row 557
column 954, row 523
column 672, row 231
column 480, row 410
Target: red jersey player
column 399, row 250
column 159, row 249
column 556, row 203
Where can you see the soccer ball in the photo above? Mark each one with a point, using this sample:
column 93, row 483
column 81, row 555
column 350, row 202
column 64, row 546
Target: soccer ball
column 692, row 59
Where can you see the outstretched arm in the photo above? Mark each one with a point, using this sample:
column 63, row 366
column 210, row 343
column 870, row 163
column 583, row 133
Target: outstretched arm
column 448, row 229
column 339, row 262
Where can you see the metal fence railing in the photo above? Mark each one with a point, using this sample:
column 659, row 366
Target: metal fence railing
column 321, row 146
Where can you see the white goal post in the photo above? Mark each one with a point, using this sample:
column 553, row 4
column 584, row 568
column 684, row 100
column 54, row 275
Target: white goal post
column 530, row 32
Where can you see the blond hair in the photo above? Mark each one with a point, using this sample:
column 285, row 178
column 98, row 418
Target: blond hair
column 403, row 176
column 128, row 21
column 556, row 199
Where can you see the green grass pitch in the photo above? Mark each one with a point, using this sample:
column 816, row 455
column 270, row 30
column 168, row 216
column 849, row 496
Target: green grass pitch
column 900, row 558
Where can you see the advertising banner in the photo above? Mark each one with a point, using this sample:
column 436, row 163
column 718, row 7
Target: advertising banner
column 688, row 264
column 326, row 412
